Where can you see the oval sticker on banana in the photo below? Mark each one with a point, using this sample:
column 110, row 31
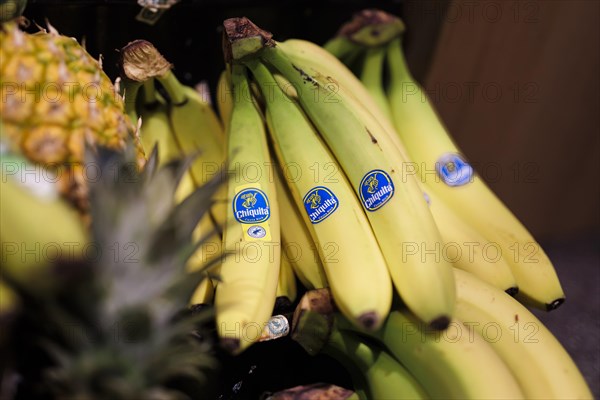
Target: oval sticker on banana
column 320, row 203
column 251, row 209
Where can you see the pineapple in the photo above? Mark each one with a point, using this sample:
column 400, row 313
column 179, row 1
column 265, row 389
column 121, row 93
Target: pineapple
column 119, row 328
column 54, row 98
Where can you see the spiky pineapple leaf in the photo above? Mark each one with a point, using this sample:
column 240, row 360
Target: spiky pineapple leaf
column 127, row 336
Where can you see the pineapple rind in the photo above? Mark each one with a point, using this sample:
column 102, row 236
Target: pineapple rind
column 55, row 98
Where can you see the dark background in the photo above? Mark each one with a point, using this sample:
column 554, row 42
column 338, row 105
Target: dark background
column 516, row 82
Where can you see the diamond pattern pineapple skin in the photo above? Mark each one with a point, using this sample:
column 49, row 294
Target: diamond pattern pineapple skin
column 54, row 97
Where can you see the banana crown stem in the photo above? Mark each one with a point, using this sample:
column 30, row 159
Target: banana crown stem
column 399, row 71
column 174, row 88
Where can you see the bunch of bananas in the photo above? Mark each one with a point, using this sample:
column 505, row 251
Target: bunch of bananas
column 349, row 183
column 355, row 188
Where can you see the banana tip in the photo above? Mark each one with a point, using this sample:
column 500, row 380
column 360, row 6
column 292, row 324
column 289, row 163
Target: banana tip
column 555, row 304
column 440, row 323
column 369, row 320
column 512, row 291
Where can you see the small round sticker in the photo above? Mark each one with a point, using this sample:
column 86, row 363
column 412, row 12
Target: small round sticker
column 320, row 203
column 257, row 232
column 454, row 170
column 251, row 206
column 376, row 189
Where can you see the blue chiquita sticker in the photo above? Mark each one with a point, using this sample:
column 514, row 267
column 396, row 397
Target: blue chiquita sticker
column 376, row 189
column 454, row 170
column 320, row 203
column 251, row 206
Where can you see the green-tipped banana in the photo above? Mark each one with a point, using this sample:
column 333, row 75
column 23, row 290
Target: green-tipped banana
column 372, row 77
column 340, row 47
column 224, row 98
column 374, row 372
column 540, row 364
column 393, row 201
column 444, row 170
column 449, row 365
column 249, row 273
column 383, row 376
column 355, row 268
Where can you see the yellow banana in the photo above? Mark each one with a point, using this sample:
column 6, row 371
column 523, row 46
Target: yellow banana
column 249, row 272
column 204, row 293
column 445, row 171
column 37, row 228
column 468, row 250
column 296, row 240
column 451, row 364
column 9, row 301
column 286, row 284
column 541, row 365
column 155, row 129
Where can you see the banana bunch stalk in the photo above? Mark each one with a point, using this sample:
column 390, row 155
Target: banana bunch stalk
column 465, row 209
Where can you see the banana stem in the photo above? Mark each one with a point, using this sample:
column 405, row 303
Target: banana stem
column 130, row 90
column 340, row 46
column 149, row 91
column 174, row 88
column 399, row 71
column 372, row 77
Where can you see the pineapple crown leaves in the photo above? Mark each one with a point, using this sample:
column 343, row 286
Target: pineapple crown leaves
column 118, row 330
column 146, row 234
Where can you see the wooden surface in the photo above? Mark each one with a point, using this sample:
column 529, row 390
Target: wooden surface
column 517, row 84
